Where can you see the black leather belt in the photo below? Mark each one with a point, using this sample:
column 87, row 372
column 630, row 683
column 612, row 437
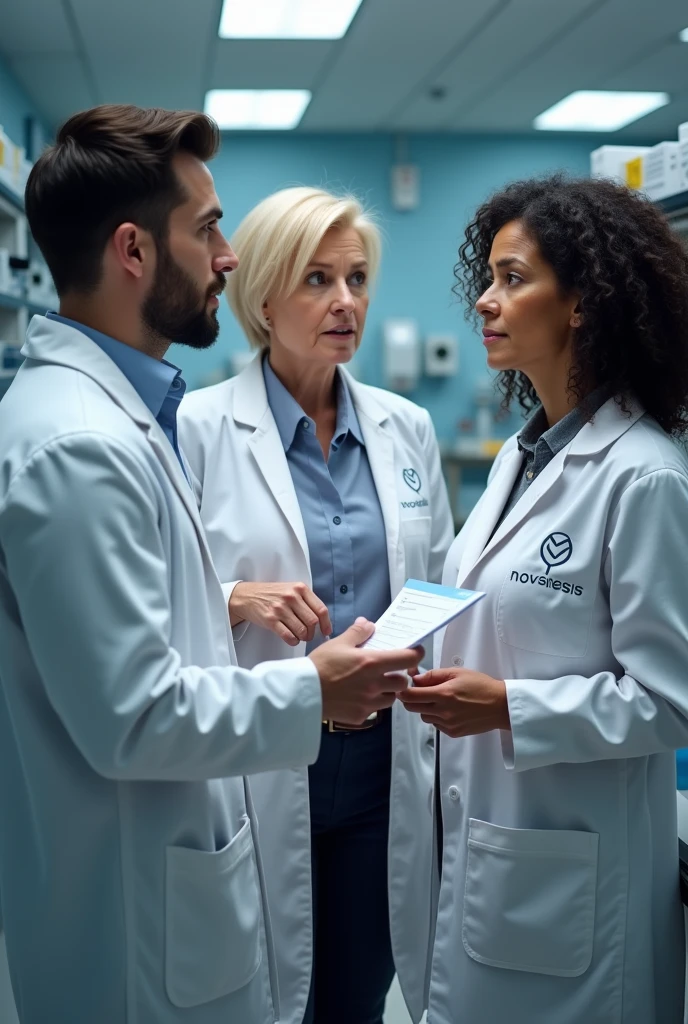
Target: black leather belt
column 375, row 719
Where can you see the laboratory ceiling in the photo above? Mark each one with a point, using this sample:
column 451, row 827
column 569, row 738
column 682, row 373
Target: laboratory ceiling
column 460, row 66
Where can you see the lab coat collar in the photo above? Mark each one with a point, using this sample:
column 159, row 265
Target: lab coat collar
column 49, row 341
column 608, row 424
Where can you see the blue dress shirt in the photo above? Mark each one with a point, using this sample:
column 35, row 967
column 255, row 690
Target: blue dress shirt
column 158, row 383
column 340, row 508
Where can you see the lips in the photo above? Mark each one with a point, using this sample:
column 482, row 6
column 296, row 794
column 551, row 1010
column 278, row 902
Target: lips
column 341, row 332
column 490, row 335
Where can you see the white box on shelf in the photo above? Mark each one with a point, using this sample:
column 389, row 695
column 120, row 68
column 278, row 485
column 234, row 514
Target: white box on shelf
column 683, row 161
column 683, row 132
column 661, row 171
column 5, row 273
column 610, row 161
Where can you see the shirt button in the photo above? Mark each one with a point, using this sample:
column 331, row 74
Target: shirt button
column 306, row 425
column 529, row 475
column 457, row 661
column 453, row 793
column 343, row 589
column 337, row 520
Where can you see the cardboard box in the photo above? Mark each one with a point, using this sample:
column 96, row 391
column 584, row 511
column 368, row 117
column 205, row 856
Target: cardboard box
column 610, row 161
column 661, row 171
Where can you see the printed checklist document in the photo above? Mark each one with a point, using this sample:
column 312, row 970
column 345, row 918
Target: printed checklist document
column 418, row 610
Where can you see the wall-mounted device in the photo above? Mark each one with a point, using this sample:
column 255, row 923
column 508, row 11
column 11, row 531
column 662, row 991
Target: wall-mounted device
column 401, row 354
column 441, row 355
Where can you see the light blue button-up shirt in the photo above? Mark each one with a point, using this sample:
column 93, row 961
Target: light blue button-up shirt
column 339, row 505
column 159, row 384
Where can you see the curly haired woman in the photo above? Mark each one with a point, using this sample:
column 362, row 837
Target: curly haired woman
column 563, row 695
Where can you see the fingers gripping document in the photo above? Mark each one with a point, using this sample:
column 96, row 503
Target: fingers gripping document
column 418, row 610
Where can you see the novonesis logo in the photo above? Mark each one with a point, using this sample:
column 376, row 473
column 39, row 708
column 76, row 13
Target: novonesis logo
column 556, row 550
column 421, row 503
column 546, row 581
column 412, row 479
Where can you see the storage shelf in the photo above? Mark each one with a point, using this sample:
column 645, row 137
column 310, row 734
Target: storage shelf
column 674, row 204
column 11, row 302
column 14, row 302
column 11, row 197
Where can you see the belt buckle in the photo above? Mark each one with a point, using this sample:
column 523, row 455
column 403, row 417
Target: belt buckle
column 370, row 721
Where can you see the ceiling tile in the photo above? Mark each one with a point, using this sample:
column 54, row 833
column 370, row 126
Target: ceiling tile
column 392, row 46
column 34, row 26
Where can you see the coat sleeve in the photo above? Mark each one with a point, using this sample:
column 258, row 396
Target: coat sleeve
column 442, row 526
column 81, row 539
column 643, row 708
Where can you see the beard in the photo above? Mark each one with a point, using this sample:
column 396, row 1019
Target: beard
column 176, row 309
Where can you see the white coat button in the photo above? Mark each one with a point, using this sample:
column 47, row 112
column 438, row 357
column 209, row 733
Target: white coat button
column 529, row 474
column 305, row 424
column 453, row 793
column 457, row 661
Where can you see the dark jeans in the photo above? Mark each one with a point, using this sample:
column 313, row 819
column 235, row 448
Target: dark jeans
column 349, row 797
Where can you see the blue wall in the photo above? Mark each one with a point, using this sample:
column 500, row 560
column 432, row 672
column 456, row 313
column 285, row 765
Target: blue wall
column 457, row 173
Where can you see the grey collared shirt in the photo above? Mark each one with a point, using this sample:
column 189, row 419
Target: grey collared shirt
column 540, row 443
column 345, row 530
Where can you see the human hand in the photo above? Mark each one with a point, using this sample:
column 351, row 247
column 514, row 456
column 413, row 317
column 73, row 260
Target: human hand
column 355, row 681
column 291, row 610
column 459, row 702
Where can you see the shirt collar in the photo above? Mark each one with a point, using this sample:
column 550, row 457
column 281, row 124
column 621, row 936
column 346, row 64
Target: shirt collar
column 289, row 414
column 562, row 433
column 153, row 379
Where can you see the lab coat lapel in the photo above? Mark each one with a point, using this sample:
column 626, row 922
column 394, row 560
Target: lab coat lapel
column 379, row 443
column 487, row 512
column 265, row 444
column 606, row 426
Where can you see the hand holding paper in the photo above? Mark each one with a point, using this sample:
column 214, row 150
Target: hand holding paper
column 418, row 610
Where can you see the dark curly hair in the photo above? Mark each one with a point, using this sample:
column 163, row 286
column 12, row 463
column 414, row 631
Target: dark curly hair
column 616, row 249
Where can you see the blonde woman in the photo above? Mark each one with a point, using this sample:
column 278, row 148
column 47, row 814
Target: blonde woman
column 321, row 496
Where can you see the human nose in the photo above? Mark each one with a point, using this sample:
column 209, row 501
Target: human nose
column 226, row 261
column 343, row 301
column 487, row 304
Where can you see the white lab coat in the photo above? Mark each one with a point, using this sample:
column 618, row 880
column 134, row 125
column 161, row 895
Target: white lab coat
column 255, row 530
column 131, row 883
column 559, row 899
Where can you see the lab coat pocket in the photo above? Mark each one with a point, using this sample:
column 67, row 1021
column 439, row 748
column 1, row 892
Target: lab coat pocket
column 415, row 540
column 529, row 903
column 212, row 920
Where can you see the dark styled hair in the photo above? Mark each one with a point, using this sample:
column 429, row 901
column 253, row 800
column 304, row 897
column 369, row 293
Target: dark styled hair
column 618, row 252
column 109, row 165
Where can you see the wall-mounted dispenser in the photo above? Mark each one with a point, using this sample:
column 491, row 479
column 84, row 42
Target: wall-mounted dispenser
column 401, row 354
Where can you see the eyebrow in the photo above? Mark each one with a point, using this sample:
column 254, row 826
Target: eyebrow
column 328, row 266
column 215, row 213
column 508, row 261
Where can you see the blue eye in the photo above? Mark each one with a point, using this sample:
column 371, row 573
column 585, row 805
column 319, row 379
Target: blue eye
column 359, row 278
column 317, row 277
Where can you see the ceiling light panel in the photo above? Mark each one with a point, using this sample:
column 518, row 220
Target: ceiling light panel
column 257, row 109
column 588, row 111
column 286, row 19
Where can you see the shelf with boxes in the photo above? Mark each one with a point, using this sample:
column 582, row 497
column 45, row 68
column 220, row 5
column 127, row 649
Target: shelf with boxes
column 660, row 171
column 25, row 284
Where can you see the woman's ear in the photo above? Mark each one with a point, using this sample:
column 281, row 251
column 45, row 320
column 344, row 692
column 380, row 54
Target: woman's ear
column 576, row 317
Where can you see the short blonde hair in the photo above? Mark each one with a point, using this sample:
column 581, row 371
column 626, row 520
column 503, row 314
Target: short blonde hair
column 276, row 241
